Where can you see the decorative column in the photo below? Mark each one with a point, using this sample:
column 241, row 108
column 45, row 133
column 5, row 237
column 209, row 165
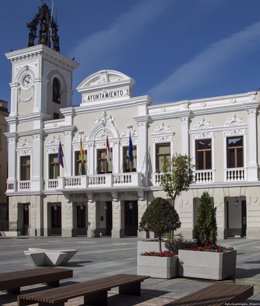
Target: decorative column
column 118, row 227
column 37, row 163
column 67, row 217
column 91, row 159
column 11, row 181
column 116, row 156
column 14, row 98
column 252, row 167
column 142, row 149
column 93, row 215
column 142, row 205
column 185, row 150
column 67, row 151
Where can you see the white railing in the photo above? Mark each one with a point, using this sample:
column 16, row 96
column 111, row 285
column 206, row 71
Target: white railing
column 235, row 174
column 75, row 182
column 157, row 177
column 52, row 184
column 126, row 179
column 24, row 185
column 203, row 176
column 100, row 180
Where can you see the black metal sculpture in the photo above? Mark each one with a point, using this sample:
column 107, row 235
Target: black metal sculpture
column 47, row 29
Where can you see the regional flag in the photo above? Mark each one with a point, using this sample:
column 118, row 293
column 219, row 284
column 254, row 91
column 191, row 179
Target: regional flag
column 60, row 156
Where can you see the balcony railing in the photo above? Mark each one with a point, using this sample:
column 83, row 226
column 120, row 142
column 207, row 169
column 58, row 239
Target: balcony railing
column 204, row 176
column 96, row 181
column 157, row 177
column 235, row 174
column 24, row 185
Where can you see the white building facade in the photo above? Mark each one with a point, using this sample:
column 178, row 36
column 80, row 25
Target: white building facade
column 95, row 195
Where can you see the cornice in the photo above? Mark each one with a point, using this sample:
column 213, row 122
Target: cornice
column 170, row 115
column 142, row 100
column 60, row 129
column 36, row 51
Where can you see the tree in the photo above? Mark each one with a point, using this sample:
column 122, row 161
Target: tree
column 177, row 176
column 160, row 217
column 206, row 227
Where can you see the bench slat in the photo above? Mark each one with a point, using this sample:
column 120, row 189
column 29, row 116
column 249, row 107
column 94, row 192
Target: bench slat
column 216, row 295
column 65, row 293
column 10, row 280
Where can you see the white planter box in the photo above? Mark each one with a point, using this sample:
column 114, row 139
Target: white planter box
column 160, row 267
column 208, row 265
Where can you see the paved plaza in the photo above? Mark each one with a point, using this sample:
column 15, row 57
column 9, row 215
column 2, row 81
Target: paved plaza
column 105, row 256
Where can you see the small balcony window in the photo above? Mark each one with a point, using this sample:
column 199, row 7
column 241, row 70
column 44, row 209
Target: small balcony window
column 203, row 154
column 25, row 168
column 54, row 169
column 163, row 155
column 235, row 152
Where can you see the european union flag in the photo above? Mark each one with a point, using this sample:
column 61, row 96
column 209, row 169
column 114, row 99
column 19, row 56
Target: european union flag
column 130, row 149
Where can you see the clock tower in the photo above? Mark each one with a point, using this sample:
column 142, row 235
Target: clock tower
column 41, row 85
column 41, row 76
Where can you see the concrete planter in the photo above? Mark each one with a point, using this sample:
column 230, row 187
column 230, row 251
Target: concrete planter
column 207, row 265
column 159, row 267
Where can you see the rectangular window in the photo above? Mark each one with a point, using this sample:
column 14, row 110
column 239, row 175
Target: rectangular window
column 235, row 152
column 163, row 155
column 203, row 154
column 54, row 169
column 129, row 166
column 25, row 167
column 104, row 162
column 80, row 166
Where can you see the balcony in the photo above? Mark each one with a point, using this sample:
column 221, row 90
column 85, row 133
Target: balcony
column 235, row 174
column 100, row 181
column 24, row 185
column 156, row 179
column 203, row 176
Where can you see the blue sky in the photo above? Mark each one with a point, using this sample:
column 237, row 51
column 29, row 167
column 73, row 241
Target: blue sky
column 174, row 49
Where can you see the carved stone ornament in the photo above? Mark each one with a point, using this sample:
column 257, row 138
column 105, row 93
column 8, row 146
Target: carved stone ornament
column 202, row 135
column 103, row 134
column 125, row 133
column 162, row 129
column 234, row 132
column 24, row 143
column 202, row 124
column 234, row 121
column 104, row 119
column 54, row 140
column 162, row 133
column 79, row 135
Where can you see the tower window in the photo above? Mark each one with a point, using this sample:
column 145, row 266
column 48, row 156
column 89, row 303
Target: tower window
column 56, row 91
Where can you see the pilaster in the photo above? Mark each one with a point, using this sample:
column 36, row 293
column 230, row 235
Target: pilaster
column 67, row 218
column 252, row 168
column 93, row 215
column 185, row 150
column 118, row 227
column 68, row 153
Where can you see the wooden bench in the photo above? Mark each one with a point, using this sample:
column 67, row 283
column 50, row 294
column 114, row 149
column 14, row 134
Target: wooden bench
column 13, row 281
column 94, row 291
column 218, row 294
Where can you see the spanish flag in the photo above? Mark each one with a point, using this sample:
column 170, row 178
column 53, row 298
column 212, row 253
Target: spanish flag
column 81, row 153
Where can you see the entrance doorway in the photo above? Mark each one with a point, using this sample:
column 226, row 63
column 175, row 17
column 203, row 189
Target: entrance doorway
column 25, row 219
column 236, row 219
column 131, row 218
column 56, row 219
column 81, row 220
column 108, row 213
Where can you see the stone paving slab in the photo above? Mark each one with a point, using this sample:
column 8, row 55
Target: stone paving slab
column 105, row 256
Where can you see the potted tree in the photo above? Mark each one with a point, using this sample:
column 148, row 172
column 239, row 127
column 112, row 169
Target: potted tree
column 207, row 259
column 160, row 217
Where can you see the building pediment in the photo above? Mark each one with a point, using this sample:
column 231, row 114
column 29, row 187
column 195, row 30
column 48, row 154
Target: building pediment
column 105, row 85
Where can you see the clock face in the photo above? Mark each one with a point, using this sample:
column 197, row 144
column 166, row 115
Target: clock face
column 27, row 81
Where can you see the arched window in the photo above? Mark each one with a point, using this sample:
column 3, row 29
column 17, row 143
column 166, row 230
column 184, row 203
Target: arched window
column 56, row 91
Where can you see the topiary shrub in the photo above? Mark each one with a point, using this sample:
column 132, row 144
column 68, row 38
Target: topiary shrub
column 160, row 217
column 206, row 227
